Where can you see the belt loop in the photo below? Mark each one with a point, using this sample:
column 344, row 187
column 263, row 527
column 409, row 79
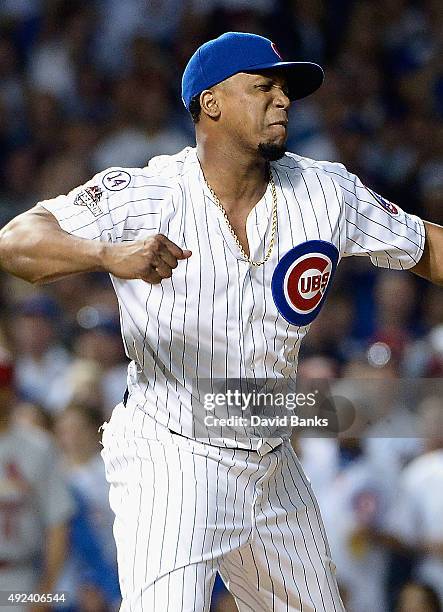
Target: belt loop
column 125, row 397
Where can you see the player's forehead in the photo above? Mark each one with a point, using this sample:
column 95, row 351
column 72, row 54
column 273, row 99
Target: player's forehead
column 247, row 79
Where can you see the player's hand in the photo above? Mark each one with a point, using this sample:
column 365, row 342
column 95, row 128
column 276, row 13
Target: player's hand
column 151, row 260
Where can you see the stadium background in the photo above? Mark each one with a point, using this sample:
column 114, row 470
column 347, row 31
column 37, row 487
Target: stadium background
column 88, row 85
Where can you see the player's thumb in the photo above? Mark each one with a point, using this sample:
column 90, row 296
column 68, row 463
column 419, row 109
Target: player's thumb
column 185, row 254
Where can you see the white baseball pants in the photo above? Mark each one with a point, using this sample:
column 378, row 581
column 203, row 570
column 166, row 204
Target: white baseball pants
column 185, row 510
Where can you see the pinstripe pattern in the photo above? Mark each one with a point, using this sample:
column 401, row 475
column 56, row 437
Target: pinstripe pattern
column 184, row 509
column 171, row 340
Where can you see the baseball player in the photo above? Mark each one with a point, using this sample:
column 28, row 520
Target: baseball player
column 221, row 256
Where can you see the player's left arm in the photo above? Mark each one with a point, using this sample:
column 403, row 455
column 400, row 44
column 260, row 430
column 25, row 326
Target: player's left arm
column 430, row 265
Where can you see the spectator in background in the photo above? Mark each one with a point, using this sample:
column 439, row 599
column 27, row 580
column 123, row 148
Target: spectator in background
column 355, row 494
column 320, row 456
column 395, row 313
column 431, row 186
column 259, row 7
column 330, row 334
column 84, row 85
column 60, row 172
column 17, row 191
column 142, row 126
column 63, row 42
column 99, row 340
column 417, row 513
column 81, row 383
column 424, row 356
column 12, row 87
column 357, row 500
column 34, row 502
column 418, row 597
column 390, row 436
column 74, row 293
column 91, row 571
column 362, row 472
column 41, row 361
column 44, row 123
column 27, row 414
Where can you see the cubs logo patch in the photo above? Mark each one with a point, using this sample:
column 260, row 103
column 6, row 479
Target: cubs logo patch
column 116, row 180
column 90, row 197
column 302, row 279
column 386, row 204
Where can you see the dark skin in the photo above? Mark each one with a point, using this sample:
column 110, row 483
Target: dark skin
column 238, row 116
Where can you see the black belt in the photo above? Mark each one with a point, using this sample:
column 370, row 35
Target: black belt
column 125, row 399
column 179, row 434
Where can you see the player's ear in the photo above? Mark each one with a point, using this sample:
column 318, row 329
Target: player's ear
column 209, row 103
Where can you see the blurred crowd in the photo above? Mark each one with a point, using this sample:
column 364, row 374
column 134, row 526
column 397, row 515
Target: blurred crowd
column 88, row 85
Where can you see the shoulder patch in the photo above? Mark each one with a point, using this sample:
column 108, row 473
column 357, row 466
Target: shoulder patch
column 90, row 197
column 386, row 204
column 116, row 180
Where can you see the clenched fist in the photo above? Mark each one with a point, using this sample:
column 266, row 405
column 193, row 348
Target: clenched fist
column 151, row 260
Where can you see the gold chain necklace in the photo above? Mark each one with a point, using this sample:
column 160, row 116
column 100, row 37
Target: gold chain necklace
column 231, row 229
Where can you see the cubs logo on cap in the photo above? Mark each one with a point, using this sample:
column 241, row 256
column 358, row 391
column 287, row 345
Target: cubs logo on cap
column 234, row 52
column 302, row 280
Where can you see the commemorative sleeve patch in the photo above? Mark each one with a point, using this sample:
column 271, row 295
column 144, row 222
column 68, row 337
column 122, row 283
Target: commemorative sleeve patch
column 302, row 279
column 90, row 197
column 116, row 180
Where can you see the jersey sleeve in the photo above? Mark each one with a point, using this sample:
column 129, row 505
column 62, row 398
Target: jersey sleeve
column 116, row 205
column 377, row 228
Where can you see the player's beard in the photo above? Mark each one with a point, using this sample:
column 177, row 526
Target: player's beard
column 271, row 152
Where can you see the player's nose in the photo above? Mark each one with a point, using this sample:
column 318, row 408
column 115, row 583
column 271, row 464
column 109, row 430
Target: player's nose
column 281, row 99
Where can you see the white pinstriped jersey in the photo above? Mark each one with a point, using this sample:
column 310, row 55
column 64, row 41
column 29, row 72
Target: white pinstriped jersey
column 216, row 317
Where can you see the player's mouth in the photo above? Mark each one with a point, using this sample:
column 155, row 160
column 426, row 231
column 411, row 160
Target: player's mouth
column 282, row 123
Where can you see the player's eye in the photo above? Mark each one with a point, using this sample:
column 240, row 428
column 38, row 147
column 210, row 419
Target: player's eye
column 264, row 86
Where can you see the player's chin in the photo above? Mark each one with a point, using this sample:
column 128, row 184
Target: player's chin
column 272, row 150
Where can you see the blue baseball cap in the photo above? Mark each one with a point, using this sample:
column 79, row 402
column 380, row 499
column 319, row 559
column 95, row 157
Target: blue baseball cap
column 233, row 52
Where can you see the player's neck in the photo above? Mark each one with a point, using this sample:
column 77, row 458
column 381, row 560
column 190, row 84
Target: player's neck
column 238, row 181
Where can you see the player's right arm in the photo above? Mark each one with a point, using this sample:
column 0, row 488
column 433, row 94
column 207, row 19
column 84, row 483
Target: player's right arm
column 65, row 236
column 35, row 248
